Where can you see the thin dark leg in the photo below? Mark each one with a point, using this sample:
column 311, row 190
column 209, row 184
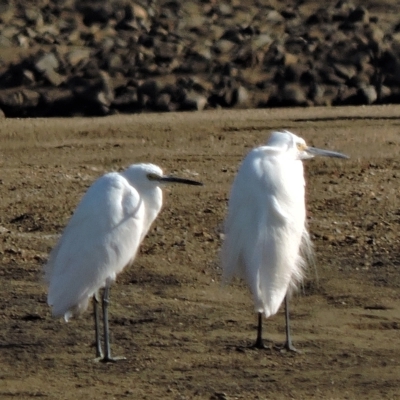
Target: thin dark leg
column 107, row 351
column 288, row 344
column 259, row 344
column 99, row 351
column 106, row 302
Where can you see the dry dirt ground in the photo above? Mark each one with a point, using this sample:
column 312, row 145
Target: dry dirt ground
column 184, row 336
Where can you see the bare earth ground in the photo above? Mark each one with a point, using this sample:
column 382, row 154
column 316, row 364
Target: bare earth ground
column 184, row 336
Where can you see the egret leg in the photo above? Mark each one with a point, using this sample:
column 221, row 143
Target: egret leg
column 107, row 351
column 288, row 344
column 259, row 344
column 99, row 351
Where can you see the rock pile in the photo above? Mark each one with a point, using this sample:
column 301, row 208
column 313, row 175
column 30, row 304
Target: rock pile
column 99, row 57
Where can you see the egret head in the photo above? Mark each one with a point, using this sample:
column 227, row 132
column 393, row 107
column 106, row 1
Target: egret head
column 288, row 141
column 150, row 175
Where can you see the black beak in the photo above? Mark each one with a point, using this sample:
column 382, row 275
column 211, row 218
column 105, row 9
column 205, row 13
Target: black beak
column 174, row 179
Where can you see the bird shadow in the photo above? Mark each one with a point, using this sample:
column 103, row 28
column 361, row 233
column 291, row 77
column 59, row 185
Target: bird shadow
column 130, row 321
column 269, row 347
column 19, row 345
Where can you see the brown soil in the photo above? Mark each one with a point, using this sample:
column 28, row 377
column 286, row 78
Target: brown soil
column 184, row 336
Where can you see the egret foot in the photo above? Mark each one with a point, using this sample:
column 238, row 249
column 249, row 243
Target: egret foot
column 259, row 344
column 109, row 359
column 286, row 347
column 99, row 355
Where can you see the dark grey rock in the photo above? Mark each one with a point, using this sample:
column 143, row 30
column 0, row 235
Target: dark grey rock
column 359, row 14
column 15, row 102
column 345, row 71
column 367, row 94
column 193, row 102
column 347, row 96
column 95, row 95
column 240, row 98
column 293, row 95
column 148, row 90
column 46, row 62
column 317, row 95
column 58, row 102
column 94, row 11
column 5, row 42
column 76, row 56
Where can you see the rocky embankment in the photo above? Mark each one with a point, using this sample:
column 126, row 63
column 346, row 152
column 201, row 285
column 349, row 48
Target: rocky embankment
column 68, row 58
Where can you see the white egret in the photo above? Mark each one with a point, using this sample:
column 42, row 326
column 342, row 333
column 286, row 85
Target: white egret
column 266, row 236
column 101, row 239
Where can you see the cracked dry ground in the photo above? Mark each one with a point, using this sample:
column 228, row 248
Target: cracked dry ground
column 184, row 337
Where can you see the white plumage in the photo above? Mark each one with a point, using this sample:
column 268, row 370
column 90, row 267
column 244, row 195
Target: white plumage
column 103, row 237
column 265, row 228
column 265, row 224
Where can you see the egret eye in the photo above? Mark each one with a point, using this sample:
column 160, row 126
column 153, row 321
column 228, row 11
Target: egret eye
column 153, row 177
column 301, row 146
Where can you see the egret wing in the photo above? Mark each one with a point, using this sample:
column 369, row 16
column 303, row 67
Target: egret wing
column 246, row 209
column 101, row 238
